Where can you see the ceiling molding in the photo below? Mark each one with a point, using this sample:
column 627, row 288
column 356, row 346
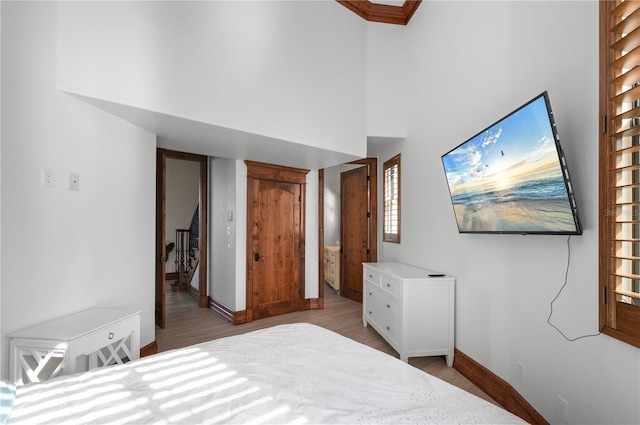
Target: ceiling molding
column 374, row 12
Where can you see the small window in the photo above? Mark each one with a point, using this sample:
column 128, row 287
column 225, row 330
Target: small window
column 392, row 200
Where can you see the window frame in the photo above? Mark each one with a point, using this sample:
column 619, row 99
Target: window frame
column 390, row 236
column 617, row 317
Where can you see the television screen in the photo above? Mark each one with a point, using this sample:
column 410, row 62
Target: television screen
column 512, row 177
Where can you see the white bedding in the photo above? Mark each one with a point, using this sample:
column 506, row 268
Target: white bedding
column 295, row 374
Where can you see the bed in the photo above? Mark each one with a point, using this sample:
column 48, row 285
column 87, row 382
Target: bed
column 287, row 374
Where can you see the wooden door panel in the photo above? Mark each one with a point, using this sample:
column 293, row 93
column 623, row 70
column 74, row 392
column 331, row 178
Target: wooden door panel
column 275, row 287
column 275, row 257
column 354, row 230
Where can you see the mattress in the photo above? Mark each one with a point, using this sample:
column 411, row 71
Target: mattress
column 288, row 374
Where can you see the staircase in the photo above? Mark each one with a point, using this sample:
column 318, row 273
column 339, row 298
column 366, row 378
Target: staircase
column 187, row 254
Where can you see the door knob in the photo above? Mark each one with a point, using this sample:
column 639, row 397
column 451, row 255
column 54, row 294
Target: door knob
column 256, row 257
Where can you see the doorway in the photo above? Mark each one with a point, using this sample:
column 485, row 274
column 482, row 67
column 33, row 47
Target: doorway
column 195, row 233
column 358, row 188
column 275, row 240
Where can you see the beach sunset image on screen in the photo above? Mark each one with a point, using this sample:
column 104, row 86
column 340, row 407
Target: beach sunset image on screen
column 509, row 177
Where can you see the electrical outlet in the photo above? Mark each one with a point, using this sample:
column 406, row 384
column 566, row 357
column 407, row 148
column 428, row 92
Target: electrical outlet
column 562, row 409
column 520, row 372
column 48, row 177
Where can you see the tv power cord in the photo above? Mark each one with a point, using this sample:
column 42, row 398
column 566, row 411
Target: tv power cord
column 566, row 274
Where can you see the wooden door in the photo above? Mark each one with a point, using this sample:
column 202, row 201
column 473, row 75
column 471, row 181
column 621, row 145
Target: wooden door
column 275, row 240
column 355, row 214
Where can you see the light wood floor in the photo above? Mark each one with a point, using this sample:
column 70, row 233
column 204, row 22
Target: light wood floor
column 188, row 324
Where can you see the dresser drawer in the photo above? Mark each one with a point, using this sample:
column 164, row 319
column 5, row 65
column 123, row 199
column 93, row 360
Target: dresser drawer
column 106, row 336
column 392, row 330
column 372, row 276
column 391, row 286
column 370, row 300
column 390, row 308
column 381, row 307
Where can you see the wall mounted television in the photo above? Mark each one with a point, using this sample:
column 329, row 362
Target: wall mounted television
column 512, row 177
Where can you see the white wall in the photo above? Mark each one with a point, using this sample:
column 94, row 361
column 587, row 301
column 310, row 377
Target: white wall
column 332, row 206
column 183, row 196
column 241, row 236
column 470, row 63
column 64, row 251
column 223, row 233
column 231, row 64
column 387, row 80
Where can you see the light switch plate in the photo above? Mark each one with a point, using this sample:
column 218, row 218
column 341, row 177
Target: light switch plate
column 74, row 181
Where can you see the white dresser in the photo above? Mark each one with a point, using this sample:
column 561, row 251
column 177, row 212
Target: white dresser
column 82, row 341
column 411, row 310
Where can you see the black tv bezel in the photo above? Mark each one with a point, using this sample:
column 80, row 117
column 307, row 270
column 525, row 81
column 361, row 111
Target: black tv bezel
column 563, row 165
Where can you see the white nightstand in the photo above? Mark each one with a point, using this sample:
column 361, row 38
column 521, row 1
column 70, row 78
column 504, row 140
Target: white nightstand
column 92, row 338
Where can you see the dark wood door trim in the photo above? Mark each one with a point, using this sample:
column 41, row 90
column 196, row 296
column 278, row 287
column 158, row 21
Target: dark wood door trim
column 203, row 161
column 269, row 172
column 161, row 252
column 279, row 173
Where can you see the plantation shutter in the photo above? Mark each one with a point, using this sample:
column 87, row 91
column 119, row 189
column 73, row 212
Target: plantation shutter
column 392, row 199
column 620, row 170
